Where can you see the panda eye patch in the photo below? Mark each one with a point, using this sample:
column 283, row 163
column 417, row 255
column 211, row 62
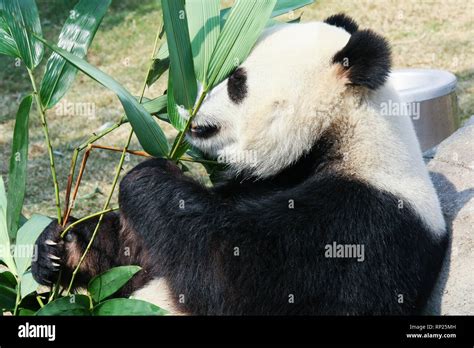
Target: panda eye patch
column 237, row 85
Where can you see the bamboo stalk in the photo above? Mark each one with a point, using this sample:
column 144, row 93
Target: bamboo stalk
column 76, row 187
column 44, row 125
column 75, row 155
column 186, row 127
column 75, row 223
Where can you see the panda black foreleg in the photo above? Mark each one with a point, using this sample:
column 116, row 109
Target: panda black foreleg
column 217, row 258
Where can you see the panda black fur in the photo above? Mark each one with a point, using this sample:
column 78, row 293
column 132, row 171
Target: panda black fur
column 324, row 167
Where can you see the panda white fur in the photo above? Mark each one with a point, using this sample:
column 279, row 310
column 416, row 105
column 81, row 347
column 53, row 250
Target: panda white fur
column 312, row 163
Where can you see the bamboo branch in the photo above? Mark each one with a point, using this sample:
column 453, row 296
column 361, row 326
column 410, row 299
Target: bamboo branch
column 44, row 125
column 75, row 155
column 76, row 187
column 186, row 127
column 75, row 223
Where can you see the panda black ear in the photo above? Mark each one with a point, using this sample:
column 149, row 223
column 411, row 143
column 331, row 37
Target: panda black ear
column 365, row 60
column 340, row 20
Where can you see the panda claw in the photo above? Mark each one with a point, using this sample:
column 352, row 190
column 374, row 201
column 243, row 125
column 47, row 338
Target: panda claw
column 53, row 257
column 55, row 264
column 50, row 242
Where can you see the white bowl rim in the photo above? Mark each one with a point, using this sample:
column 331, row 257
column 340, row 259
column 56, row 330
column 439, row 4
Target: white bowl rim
column 439, row 83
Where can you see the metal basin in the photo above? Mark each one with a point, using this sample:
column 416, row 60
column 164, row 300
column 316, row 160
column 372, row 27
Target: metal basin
column 431, row 102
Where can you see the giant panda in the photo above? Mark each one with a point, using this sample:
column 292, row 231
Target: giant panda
column 315, row 172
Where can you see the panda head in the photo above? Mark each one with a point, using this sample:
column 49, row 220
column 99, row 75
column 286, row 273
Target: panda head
column 296, row 80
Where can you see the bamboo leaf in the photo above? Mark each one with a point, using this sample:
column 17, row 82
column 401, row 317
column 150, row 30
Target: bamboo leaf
column 70, row 305
column 17, row 170
column 175, row 118
column 7, row 44
column 156, row 105
column 181, row 58
column 242, row 29
column 204, row 29
column 158, row 68
column 22, row 19
column 125, row 306
column 109, row 282
column 148, row 132
column 75, row 37
column 27, row 284
column 8, row 279
column 163, row 117
column 285, row 6
column 24, row 312
column 25, row 241
column 7, row 297
column 5, row 255
column 281, row 7
column 182, row 148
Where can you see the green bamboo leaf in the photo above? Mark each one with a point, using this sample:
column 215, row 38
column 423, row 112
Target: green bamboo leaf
column 156, row 105
column 17, row 170
column 70, row 305
column 175, row 118
column 183, row 146
column 125, row 306
column 241, row 30
column 285, row 6
column 163, row 117
column 27, row 284
column 181, row 57
column 25, row 241
column 160, row 63
column 7, row 44
column 75, row 37
column 102, row 286
column 5, row 255
column 158, row 68
column 25, row 312
column 7, row 279
column 148, row 132
column 281, row 7
column 7, row 297
column 22, row 19
column 204, row 29
column 163, row 53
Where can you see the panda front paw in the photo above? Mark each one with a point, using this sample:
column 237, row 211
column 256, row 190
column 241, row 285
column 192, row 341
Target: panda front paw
column 49, row 254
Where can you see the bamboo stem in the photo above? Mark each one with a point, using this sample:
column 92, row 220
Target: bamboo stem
column 38, row 298
column 76, row 187
column 75, row 223
column 75, row 155
column 18, row 298
column 48, row 144
column 117, row 149
column 196, row 160
column 186, row 127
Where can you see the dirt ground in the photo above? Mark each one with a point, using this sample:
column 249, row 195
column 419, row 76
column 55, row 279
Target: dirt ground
column 425, row 34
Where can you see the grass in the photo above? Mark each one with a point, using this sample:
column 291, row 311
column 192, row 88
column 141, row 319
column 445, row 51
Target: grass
column 425, row 34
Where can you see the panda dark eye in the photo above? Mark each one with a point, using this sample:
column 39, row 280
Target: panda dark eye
column 237, row 85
